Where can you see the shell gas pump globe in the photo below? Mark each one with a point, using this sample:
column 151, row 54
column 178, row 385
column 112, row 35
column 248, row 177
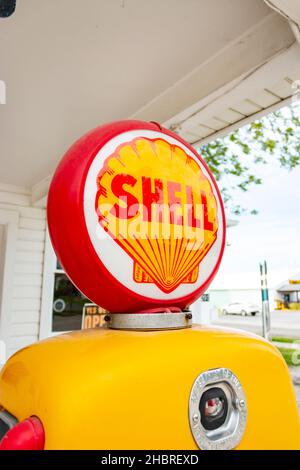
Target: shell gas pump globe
column 137, row 222
column 133, row 214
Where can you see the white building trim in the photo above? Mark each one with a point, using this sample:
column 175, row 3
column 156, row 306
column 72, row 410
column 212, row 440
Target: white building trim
column 9, row 219
column 23, row 267
column 242, row 100
column 45, row 329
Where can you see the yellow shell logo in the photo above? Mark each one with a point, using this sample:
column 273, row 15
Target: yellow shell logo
column 155, row 201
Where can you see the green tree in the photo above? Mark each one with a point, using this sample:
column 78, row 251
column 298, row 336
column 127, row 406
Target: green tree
column 234, row 159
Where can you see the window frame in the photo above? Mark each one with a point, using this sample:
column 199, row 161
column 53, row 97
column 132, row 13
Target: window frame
column 50, row 269
column 48, row 286
column 10, row 221
column 48, row 290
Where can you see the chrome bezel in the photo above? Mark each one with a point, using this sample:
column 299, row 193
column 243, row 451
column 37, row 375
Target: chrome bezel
column 229, row 435
column 150, row 321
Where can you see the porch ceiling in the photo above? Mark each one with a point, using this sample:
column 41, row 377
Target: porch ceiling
column 71, row 65
column 269, row 87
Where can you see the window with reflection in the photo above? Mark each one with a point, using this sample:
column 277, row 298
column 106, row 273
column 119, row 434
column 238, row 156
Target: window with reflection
column 71, row 310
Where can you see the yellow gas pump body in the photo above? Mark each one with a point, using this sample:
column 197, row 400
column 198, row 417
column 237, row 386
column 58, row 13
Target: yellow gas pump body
column 109, row 389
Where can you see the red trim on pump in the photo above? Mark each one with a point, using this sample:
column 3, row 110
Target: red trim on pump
column 26, row 435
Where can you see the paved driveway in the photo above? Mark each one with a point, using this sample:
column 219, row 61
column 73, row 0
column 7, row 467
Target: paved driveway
column 285, row 323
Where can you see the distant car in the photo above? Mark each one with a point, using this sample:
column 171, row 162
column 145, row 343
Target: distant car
column 240, row 308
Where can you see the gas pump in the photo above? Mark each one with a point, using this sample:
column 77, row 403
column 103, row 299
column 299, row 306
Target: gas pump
column 137, row 222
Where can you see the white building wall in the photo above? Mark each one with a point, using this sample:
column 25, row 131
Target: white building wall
column 25, row 296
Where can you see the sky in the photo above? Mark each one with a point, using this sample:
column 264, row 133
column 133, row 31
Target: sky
column 273, row 234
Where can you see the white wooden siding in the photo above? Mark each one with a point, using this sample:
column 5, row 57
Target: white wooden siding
column 28, row 267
